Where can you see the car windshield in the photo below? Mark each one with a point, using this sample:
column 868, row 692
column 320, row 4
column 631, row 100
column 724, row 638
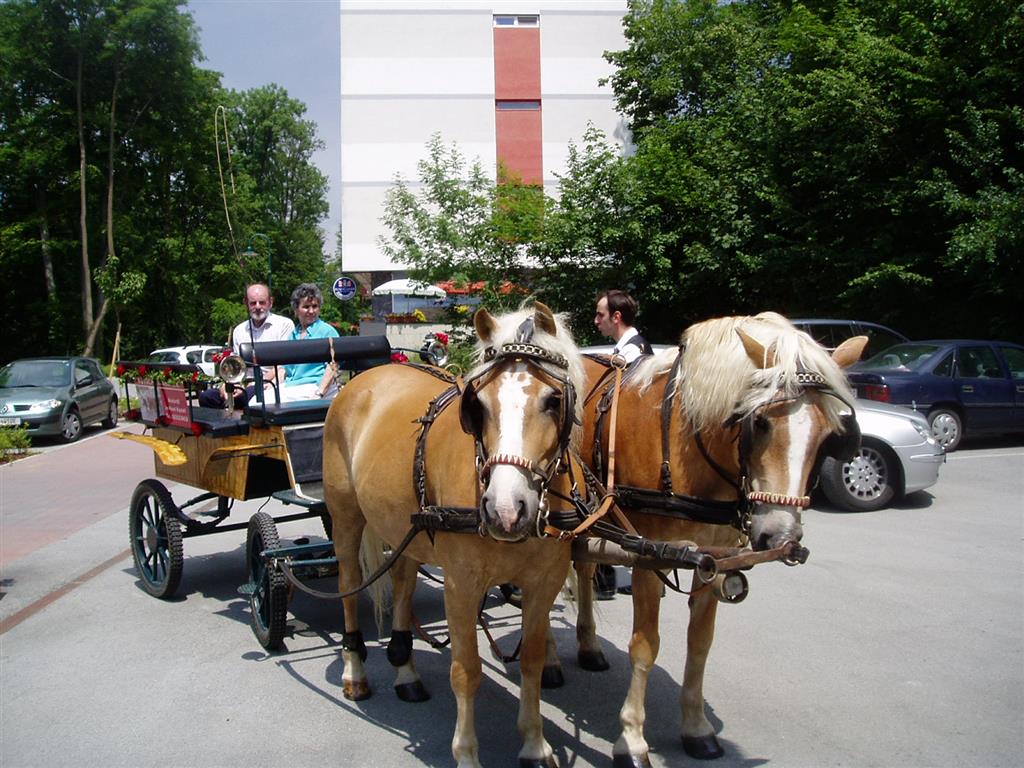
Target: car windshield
column 35, row 373
column 907, row 357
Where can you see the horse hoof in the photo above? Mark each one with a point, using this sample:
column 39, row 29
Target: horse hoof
column 538, row 762
column 356, row 691
column 631, row 761
column 413, row 692
column 592, row 661
column 702, row 747
column 552, row 677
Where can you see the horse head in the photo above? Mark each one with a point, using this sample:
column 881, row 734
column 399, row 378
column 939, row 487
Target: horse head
column 519, row 403
column 799, row 399
column 779, row 396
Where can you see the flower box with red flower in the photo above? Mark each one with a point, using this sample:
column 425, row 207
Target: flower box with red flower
column 164, row 392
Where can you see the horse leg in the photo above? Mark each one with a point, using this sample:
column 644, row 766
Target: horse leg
column 699, row 739
column 588, row 653
column 537, row 601
column 552, row 676
column 631, row 750
column 462, row 596
column 348, row 532
column 408, row 685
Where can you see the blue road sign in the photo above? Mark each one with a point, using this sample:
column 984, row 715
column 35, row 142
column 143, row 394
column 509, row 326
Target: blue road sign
column 345, row 288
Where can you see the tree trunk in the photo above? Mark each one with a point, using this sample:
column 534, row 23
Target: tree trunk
column 110, row 166
column 90, row 338
column 44, row 243
column 82, row 221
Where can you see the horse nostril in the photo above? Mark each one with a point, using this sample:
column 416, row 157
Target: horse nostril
column 520, row 509
column 762, row 542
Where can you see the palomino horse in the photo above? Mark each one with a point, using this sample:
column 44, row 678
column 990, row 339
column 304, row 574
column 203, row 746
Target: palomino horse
column 392, row 448
column 744, row 406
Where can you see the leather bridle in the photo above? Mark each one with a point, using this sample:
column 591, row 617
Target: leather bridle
column 548, row 366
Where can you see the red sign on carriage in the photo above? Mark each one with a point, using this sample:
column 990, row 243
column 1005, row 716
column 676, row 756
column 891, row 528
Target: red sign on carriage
column 174, row 406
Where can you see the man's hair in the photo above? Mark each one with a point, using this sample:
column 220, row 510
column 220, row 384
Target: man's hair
column 621, row 302
column 245, row 293
column 306, row 291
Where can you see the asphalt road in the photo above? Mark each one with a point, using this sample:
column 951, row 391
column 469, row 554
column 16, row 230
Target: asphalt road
column 899, row 643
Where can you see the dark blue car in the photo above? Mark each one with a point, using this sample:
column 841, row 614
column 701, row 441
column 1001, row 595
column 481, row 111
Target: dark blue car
column 962, row 385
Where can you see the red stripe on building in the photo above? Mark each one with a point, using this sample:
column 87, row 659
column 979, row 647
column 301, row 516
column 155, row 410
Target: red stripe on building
column 518, row 132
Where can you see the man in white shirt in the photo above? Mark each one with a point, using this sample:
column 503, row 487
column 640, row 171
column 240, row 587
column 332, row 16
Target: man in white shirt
column 616, row 312
column 261, row 325
column 614, row 317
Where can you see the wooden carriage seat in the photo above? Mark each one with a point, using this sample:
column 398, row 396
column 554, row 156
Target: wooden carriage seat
column 351, row 353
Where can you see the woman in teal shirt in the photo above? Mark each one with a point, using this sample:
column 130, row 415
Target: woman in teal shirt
column 309, row 381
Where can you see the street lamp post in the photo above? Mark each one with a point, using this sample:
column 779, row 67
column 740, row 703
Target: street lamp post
column 250, row 251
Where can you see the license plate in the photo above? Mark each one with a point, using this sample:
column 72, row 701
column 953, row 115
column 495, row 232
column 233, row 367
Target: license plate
column 10, row 421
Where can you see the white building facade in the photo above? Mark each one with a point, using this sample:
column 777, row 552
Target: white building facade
column 511, row 80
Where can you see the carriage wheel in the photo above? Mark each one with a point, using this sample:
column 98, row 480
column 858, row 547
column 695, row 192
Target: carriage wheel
column 155, row 533
column 269, row 596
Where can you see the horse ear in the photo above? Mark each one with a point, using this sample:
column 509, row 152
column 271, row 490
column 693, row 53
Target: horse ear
column 761, row 357
column 543, row 318
column 849, row 352
column 484, row 323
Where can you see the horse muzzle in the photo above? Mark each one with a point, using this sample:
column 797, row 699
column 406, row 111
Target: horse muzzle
column 773, row 527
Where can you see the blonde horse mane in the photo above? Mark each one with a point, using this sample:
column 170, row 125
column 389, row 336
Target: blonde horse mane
column 562, row 344
column 718, row 380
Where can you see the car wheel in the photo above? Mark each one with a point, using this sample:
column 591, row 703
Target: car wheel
column 71, row 426
column 865, row 484
column 947, row 428
column 112, row 414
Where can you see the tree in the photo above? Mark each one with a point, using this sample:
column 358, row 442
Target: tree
column 463, row 223
column 105, row 129
column 827, row 158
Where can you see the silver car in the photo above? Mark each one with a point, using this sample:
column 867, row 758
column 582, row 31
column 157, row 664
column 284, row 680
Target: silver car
column 898, row 455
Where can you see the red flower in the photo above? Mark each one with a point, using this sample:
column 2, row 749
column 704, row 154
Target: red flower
column 143, row 370
column 399, row 357
column 121, row 370
column 195, row 376
column 168, row 372
column 442, row 337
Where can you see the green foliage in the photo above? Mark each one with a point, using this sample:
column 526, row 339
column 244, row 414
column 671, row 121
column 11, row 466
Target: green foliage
column 854, row 158
column 14, row 441
column 165, row 255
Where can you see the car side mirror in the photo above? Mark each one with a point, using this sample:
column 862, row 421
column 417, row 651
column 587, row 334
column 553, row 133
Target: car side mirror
column 84, row 382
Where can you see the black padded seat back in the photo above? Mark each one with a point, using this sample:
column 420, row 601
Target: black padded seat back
column 350, row 352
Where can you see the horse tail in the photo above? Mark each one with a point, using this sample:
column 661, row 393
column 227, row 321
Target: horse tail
column 372, row 554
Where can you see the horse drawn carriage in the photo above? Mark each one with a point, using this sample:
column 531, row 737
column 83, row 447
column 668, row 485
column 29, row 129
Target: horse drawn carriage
column 513, row 473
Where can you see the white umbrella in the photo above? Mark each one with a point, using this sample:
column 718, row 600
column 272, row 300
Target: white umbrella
column 406, row 287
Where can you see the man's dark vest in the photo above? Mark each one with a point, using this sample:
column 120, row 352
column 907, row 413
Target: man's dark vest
column 640, row 341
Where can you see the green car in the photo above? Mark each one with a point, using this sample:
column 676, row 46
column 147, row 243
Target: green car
column 56, row 396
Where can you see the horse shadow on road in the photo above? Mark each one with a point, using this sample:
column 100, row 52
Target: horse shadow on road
column 581, row 719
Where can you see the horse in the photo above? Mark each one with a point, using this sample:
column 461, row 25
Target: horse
column 732, row 422
column 476, row 476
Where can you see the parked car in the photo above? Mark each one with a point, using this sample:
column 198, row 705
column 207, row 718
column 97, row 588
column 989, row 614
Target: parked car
column 831, row 333
column 963, row 386
column 195, row 354
column 898, row 455
column 56, row 396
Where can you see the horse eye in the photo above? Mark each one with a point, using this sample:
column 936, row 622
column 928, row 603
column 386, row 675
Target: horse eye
column 553, row 403
column 761, row 423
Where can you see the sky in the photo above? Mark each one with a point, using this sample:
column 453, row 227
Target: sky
column 294, row 43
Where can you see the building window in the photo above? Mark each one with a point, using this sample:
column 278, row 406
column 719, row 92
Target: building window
column 516, row 21
column 510, row 105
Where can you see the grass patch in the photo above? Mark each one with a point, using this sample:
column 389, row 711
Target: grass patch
column 14, row 443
